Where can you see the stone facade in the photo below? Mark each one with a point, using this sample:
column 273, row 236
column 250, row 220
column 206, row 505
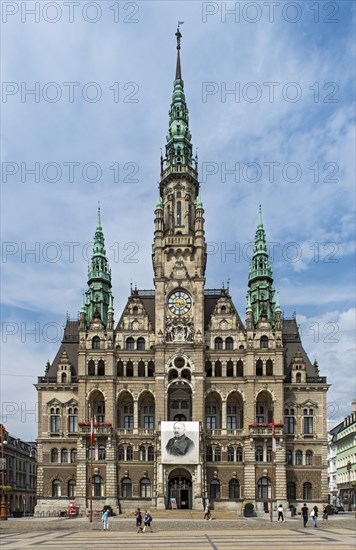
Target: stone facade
column 180, row 352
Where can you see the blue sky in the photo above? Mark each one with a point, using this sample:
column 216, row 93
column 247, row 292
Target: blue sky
column 294, row 113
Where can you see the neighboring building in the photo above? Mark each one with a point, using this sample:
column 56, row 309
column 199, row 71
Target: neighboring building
column 181, row 353
column 20, row 474
column 332, row 468
column 346, row 459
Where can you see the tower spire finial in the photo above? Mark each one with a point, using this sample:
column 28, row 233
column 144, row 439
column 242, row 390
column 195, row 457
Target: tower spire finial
column 99, row 219
column 178, row 67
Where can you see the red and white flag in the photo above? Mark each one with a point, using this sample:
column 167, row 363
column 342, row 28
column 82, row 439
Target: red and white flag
column 92, row 432
column 274, row 440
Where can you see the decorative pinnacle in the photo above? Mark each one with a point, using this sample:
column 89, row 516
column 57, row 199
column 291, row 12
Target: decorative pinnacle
column 99, row 219
column 278, row 307
column 260, row 222
column 199, row 201
column 178, row 68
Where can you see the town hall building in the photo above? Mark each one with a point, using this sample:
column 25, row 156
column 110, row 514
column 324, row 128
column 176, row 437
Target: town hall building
column 190, row 402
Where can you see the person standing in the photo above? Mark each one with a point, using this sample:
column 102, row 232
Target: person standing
column 325, row 514
column 147, row 521
column 314, row 515
column 207, row 514
column 138, row 517
column 105, row 519
column 305, row 514
column 280, row 513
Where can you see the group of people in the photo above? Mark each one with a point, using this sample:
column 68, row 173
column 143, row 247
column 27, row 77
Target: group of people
column 146, row 519
column 313, row 514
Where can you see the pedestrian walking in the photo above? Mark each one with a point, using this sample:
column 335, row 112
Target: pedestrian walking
column 280, row 513
column 314, row 515
column 105, row 519
column 305, row 514
column 138, row 516
column 147, row 521
column 326, row 514
column 207, row 514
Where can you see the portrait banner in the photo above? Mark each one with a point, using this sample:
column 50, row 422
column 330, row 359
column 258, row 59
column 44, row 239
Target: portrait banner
column 180, row 442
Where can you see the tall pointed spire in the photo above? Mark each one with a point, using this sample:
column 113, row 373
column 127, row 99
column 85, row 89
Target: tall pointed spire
column 99, row 279
column 260, row 278
column 179, row 150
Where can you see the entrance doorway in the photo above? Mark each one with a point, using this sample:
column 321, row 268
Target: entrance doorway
column 180, row 489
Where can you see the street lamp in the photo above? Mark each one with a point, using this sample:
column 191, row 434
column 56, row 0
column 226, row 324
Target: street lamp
column 348, row 468
column 3, row 509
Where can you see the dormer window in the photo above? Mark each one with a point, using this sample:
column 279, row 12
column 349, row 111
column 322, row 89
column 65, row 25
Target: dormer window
column 135, row 311
column 96, row 342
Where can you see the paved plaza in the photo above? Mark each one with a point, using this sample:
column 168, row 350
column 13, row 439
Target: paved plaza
column 219, row 534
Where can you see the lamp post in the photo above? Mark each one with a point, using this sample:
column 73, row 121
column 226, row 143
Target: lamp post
column 3, row 509
column 348, row 468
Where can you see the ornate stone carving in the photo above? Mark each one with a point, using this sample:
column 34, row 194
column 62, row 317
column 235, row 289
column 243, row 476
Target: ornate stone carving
column 179, row 329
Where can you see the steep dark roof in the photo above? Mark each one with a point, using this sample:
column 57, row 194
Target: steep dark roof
column 292, row 342
column 69, row 344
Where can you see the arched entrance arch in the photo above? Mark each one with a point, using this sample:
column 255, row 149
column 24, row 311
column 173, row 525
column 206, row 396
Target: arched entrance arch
column 180, row 488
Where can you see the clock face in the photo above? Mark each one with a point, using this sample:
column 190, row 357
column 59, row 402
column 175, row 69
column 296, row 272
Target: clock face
column 179, row 302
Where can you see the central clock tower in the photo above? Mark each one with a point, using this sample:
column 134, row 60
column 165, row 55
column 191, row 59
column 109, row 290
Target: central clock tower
column 179, row 248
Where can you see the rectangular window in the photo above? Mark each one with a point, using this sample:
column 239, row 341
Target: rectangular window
column 72, row 423
column 128, row 422
column 308, row 425
column 289, row 423
column 55, row 423
column 232, row 423
column 211, row 422
column 148, row 422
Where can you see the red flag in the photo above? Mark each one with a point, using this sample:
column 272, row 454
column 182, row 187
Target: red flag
column 274, row 440
column 92, row 432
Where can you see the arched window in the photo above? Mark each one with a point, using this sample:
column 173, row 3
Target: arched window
column 223, row 310
column 214, row 489
column 95, row 343
column 186, row 374
column 120, row 368
column 263, row 342
column 218, row 343
column 217, row 454
column 140, row 343
column 208, row 368
column 150, row 368
column 129, row 453
column 129, row 368
column 230, row 368
column 135, row 310
column 179, row 213
column 73, row 456
column 299, row 458
column 98, row 486
column 240, row 368
column 64, row 377
column 234, row 489
column 209, row 454
column 91, row 368
column 239, row 454
column 101, row 453
column 218, row 368
column 64, row 456
column 264, row 488
column 230, row 454
column 291, row 491
column 130, row 344
column 56, row 488
column 289, row 456
column 259, row 454
column 54, row 455
column 141, row 369
column 269, row 367
column 121, row 453
column 298, row 377
column 71, row 488
column 229, row 343
column 101, row 368
column 126, row 488
column 309, row 458
column 151, row 454
column 145, row 488
column 307, row 491
column 142, row 453
column 259, row 368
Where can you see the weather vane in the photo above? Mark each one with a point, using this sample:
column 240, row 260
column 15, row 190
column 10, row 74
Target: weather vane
column 178, row 34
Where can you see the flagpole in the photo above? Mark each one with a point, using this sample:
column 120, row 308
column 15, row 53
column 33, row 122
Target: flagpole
column 91, row 471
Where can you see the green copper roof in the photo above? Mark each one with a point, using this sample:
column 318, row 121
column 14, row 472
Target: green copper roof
column 159, row 205
column 260, row 278
column 199, row 201
column 99, row 279
column 179, row 148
